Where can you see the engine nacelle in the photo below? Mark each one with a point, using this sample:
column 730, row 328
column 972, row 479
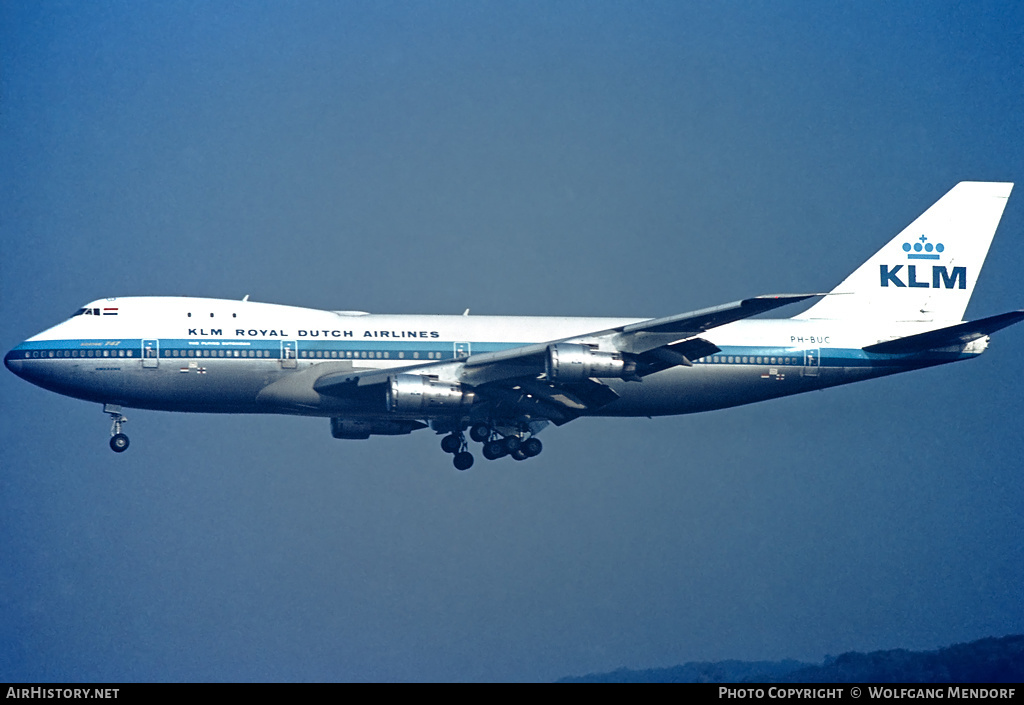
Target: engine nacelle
column 359, row 429
column 571, row 362
column 416, row 393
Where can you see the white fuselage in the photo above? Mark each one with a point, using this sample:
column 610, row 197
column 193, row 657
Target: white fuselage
column 211, row 355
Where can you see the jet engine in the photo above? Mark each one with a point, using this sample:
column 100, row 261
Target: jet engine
column 570, row 362
column 417, row 393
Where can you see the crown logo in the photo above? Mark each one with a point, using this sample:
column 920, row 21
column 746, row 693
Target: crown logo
column 922, row 249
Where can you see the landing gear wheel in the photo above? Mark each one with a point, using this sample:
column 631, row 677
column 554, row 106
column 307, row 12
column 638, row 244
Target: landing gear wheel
column 494, row 450
column 532, row 447
column 512, row 443
column 451, row 444
column 463, row 461
column 480, row 432
column 119, row 443
column 519, row 454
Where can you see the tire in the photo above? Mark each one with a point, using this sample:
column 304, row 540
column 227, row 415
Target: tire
column 451, row 444
column 494, row 450
column 480, row 432
column 119, row 443
column 463, row 461
column 532, row 447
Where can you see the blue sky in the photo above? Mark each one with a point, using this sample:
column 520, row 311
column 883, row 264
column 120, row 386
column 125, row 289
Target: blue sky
column 634, row 159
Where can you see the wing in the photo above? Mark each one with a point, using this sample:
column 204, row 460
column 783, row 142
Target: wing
column 351, row 380
column 559, row 380
column 658, row 342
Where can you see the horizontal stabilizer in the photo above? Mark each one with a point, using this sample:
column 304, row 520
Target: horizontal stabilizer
column 953, row 336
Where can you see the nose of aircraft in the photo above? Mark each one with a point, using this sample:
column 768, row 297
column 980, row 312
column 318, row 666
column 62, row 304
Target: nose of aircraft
column 13, row 362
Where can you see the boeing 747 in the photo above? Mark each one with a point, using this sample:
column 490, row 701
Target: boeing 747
column 504, row 378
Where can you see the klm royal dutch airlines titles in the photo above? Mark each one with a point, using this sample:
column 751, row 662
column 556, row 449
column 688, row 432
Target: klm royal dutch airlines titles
column 503, row 379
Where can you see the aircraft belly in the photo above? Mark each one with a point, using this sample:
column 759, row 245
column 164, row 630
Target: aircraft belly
column 207, row 385
column 684, row 390
column 92, row 380
column 211, row 386
column 234, row 386
column 215, row 385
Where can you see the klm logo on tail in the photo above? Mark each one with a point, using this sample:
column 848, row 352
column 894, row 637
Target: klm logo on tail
column 923, row 245
column 941, row 277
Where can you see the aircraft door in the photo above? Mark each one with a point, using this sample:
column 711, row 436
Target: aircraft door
column 811, row 362
column 461, row 350
column 151, row 353
column 289, row 353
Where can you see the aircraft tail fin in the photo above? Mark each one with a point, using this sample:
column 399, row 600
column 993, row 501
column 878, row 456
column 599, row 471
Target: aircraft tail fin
column 928, row 271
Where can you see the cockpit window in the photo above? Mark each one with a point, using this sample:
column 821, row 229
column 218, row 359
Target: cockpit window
column 86, row 312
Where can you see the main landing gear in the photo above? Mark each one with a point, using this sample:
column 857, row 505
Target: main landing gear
column 495, row 445
column 515, row 446
column 455, row 443
column 118, row 441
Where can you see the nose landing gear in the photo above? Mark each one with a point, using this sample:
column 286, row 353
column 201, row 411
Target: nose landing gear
column 119, row 443
column 118, row 440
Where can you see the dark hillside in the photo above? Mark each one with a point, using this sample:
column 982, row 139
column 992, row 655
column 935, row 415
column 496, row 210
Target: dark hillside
column 991, row 660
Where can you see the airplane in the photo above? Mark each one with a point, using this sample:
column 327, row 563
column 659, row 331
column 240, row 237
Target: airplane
column 504, row 378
